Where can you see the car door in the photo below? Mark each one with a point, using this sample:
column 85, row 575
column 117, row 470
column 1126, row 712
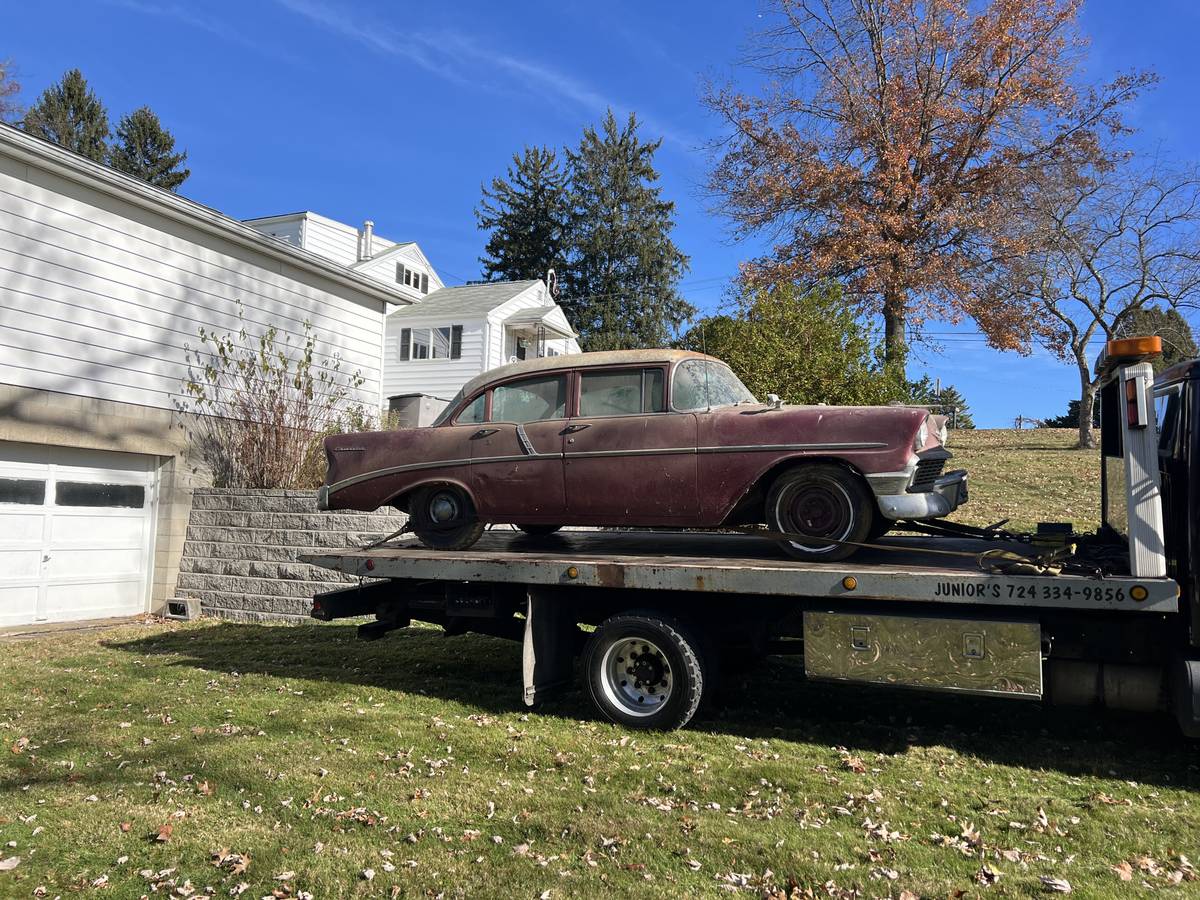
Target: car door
column 627, row 459
column 516, row 455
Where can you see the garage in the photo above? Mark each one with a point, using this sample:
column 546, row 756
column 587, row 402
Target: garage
column 76, row 533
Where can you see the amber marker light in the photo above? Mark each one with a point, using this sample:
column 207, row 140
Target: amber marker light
column 1138, row 593
column 1135, row 346
column 849, row 582
column 572, row 572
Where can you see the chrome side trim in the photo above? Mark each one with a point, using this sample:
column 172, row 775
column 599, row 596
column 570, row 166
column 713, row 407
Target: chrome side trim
column 523, row 440
column 532, row 454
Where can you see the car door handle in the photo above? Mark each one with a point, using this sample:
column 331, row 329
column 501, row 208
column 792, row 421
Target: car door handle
column 579, row 426
column 484, row 432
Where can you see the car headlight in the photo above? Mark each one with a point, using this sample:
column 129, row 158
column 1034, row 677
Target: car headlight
column 922, row 436
column 941, row 427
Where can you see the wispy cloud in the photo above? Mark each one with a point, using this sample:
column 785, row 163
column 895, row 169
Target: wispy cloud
column 189, row 16
column 462, row 60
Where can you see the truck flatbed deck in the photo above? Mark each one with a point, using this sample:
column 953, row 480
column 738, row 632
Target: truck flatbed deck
column 916, row 569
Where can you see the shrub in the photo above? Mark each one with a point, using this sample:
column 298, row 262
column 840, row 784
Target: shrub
column 263, row 406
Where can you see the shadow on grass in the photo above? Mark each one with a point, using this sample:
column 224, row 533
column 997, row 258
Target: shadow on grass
column 772, row 702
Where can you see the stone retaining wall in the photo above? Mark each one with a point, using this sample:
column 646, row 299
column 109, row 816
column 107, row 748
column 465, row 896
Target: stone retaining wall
column 239, row 559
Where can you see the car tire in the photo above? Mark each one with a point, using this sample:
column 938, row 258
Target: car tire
column 664, row 652
column 444, row 518
column 826, row 501
column 539, row 530
column 880, row 525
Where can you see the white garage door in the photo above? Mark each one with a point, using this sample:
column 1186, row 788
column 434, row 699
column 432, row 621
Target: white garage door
column 76, row 533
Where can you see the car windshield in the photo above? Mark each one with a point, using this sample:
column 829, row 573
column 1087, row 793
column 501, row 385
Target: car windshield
column 703, row 384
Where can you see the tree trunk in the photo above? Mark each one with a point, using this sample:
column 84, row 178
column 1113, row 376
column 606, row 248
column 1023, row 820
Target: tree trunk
column 1087, row 407
column 895, row 340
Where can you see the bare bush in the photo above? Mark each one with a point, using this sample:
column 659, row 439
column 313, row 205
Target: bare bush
column 262, row 406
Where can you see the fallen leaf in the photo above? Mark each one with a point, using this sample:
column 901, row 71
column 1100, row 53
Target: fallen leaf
column 20, row 744
column 1123, row 870
column 164, row 833
column 7, row 865
column 854, row 764
column 125, row 826
column 1056, row 885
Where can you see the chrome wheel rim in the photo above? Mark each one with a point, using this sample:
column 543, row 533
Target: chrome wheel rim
column 636, row 676
column 821, row 508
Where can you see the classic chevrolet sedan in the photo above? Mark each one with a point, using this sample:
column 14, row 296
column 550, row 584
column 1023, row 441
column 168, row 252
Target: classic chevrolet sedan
column 662, row 438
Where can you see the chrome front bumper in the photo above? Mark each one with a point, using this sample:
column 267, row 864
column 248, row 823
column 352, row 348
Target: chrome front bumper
column 897, row 501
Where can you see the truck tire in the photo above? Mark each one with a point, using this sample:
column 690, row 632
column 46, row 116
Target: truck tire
column 539, row 530
column 825, row 501
column 443, row 518
column 644, row 671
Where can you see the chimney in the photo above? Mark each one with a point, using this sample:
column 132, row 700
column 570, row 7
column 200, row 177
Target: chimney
column 366, row 238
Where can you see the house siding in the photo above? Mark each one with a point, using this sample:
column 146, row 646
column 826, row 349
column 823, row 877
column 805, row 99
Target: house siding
column 440, row 378
column 101, row 297
column 529, row 299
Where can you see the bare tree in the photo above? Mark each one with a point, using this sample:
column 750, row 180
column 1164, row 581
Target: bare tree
column 9, row 89
column 1104, row 246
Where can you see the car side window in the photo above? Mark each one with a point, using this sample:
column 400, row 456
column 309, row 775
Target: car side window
column 543, row 397
column 626, row 392
column 473, row 412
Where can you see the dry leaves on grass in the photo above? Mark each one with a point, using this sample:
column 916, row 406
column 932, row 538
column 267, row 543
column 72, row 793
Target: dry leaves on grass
column 1056, row 885
column 233, row 863
column 10, row 863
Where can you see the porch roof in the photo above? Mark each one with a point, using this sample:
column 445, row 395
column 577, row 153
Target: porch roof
column 550, row 317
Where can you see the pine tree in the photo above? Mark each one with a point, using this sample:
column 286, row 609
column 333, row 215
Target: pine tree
column 145, row 150
column 527, row 216
column 1178, row 339
column 71, row 115
column 620, row 287
column 951, row 403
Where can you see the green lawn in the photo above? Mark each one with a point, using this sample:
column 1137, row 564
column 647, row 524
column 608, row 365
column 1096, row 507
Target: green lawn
column 300, row 759
column 316, row 758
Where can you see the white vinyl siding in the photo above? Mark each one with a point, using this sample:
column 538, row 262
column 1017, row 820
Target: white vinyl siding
column 435, row 377
column 101, row 295
column 498, row 346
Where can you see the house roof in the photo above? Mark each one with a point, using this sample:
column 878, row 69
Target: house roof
column 469, row 300
column 63, row 162
column 551, row 317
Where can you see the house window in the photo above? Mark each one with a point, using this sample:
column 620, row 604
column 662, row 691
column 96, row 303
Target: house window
column 443, row 342
column 424, row 284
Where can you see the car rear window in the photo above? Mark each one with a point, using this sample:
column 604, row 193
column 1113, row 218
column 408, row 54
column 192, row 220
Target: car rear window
column 625, row 392
column 543, row 397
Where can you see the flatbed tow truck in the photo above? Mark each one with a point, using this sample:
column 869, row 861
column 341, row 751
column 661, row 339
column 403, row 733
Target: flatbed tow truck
column 1110, row 619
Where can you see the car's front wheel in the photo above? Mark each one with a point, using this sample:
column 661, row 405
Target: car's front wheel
column 826, row 506
column 444, row 518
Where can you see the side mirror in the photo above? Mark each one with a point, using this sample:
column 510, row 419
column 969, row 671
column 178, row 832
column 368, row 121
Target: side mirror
column 774, row 402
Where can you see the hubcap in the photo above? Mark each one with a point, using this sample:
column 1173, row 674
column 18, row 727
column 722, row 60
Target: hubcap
column 444, row 508
column 636, row 676
column 822, row 509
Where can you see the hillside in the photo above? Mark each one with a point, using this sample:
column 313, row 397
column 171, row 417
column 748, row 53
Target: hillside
column 1027, row 477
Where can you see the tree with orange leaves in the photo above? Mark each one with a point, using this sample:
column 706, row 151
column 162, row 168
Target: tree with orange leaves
column 889, row 137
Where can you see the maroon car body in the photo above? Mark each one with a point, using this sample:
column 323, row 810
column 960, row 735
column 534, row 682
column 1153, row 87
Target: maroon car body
column 638, row 438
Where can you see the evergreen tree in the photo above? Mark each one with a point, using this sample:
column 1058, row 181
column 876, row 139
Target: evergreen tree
column 952, row 404
column 1070, row 419
column 70, row 115
column 145, row 150
column 620, row 287
column 1179, row 342
column 527, row 216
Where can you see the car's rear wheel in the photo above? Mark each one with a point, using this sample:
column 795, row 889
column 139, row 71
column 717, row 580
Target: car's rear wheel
column 444, row 518
column 644, row 671
column 539, row 530
column 827, row 505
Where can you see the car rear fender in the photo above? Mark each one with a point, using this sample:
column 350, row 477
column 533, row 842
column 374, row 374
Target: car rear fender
column 400, row 499
column 749, row 507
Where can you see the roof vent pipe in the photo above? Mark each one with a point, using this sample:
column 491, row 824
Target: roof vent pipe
column 368, row 239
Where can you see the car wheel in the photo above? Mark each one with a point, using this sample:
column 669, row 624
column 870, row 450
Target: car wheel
column 826, row 503
column 880, row 525
column 539, row 530
column 443, row 518
column 644, row 671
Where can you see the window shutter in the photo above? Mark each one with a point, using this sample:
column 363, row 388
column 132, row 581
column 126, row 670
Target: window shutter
column 455, row 341
column 405, row 342
column 424, row 284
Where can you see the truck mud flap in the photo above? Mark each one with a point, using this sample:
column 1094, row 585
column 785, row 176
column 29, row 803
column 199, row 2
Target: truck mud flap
column 548, row 653
column 929, row 652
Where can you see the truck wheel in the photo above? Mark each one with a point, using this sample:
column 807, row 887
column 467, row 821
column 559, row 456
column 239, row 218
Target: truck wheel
column 824, row 501
column 644, row 671
column 539, row 530
column 443, row 518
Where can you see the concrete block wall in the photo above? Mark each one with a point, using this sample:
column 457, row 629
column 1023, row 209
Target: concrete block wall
column 239, row 559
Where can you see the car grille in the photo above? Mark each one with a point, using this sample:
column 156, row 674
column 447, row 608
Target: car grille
column 928, row 471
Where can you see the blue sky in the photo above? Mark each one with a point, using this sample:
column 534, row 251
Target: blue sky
column 397, row 112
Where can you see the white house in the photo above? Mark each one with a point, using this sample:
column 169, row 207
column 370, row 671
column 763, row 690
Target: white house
column 104, row 283
column 433, row 348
